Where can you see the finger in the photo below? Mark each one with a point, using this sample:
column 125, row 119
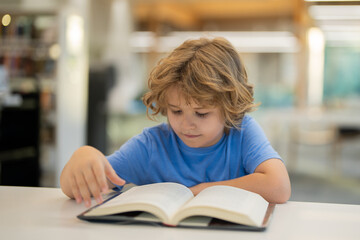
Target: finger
column 100, row 176
column 112, row 176
column 75, row 190
column 92, row 184
column 83, row 188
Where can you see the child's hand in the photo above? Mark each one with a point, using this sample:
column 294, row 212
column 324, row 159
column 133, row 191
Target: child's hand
column 86, row 174
column 198, row 188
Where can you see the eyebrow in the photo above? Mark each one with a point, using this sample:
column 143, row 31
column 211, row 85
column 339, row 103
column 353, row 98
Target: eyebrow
column 175, row 106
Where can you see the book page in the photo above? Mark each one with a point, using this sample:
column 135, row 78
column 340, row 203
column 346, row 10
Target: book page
column 227, row 203
column 160, row 199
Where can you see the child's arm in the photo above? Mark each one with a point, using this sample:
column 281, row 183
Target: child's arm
column 270, row 180
column 87, row 173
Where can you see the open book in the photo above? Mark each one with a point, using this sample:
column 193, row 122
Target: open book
column 173, row 204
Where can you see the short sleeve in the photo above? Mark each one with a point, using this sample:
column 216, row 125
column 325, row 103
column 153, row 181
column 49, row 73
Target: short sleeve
column 256, row 148
column 130, row 161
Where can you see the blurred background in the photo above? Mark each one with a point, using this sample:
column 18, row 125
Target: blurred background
column 72, row 72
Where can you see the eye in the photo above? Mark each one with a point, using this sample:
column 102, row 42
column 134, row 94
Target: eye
column 201, row 115
column 176, row 112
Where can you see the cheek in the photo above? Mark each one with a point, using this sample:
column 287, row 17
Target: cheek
column 217, row 126
column 172, row 120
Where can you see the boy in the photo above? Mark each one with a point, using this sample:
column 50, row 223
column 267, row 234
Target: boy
column 202, row 89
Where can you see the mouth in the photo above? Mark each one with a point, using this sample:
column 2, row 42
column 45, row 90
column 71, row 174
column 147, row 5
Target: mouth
column 191, row 135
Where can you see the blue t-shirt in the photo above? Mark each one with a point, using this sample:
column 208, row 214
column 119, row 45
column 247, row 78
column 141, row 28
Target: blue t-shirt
column 159, row 155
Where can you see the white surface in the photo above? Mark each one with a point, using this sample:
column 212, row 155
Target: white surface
column 46, row 213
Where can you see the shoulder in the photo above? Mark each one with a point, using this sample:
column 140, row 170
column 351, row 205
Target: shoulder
column 247, row 123
column 248, row 129
column 160, row 130
column 145, row 141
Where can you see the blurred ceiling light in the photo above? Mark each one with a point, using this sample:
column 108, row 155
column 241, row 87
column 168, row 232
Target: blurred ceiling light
column 316, row 43
column 276, row 41
column 338, row 12
column 315, row 39
column 54, row 51
column 74, row 34
column 6, row 20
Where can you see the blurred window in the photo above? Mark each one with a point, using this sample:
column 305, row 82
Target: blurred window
column 342, row 73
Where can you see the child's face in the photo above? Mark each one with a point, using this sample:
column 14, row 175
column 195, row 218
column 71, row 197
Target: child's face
column 195, row 125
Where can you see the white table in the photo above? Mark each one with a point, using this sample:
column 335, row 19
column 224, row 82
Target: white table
column 46, row 213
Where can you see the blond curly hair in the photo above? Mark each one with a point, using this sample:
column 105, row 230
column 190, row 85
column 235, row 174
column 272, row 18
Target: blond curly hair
column 208, row 72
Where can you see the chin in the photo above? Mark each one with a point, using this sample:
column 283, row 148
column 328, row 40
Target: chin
column 194, row 145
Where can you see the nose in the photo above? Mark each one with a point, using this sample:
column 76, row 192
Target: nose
column 188, row 122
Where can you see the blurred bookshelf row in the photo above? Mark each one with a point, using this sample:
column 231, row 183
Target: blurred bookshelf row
column 28, row 44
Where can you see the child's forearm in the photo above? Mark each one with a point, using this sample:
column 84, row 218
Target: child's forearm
column 270, row 181
column 256, row 182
